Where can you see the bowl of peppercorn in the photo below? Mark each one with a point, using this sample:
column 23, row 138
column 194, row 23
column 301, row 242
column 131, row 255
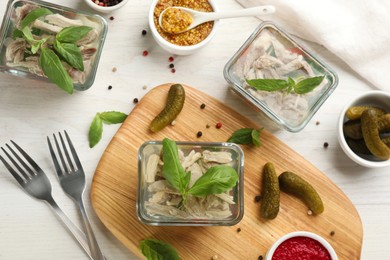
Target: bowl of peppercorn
column 106, row 6
column 187, row 42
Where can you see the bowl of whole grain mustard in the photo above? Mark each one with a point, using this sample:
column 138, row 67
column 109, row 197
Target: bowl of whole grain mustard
column 187, row 42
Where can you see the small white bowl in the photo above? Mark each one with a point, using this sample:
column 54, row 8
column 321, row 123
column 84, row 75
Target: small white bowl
column 176, row 49
column 105, row 9
column 375, row 98
column 316, row 237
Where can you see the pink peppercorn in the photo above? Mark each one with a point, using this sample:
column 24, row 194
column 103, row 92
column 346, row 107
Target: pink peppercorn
column 218, row 125
column 173, row 70
column 145, row 53
column 171, row 59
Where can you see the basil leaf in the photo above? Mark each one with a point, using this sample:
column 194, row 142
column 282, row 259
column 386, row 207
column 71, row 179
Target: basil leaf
column 268, row 84
column 241, row 136
column 54, row 70
column 33, row 15
column 291, row 84
column 255, row 134
column 154, row 249
column 216, row 180
column 28, row 35
column 173, row 171
column 36, row 46
column 72, row 34
column 307, row 85
column 113, row 117
column 70, row 53
column 95, row 130
column 17, row 34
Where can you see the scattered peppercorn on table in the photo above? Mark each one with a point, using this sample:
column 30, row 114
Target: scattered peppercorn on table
column 131, row 64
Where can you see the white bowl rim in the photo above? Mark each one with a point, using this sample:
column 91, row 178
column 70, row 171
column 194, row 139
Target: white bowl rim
column 177, row 47
column 343, row 143
column 308, row 234
column 105, row 8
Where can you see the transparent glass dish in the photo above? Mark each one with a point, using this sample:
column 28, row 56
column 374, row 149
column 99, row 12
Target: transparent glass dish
column 8, row 27
column 144, row 194
column 271, row 53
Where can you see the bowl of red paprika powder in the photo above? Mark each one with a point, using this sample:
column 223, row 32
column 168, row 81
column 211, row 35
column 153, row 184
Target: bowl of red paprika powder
column 301, row 245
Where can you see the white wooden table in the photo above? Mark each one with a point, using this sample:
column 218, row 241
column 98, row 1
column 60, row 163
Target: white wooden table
column 31, row 110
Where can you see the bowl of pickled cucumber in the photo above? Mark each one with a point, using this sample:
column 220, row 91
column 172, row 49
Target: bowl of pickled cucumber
column 364, row 129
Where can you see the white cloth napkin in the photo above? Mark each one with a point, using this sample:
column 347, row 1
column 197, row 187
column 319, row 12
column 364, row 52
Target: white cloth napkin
column 357, row 31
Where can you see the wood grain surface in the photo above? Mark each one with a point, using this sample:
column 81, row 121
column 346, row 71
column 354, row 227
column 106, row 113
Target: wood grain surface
column 114, row 187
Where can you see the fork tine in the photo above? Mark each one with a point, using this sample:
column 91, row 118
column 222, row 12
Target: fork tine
column 28, row 158
column 11, row 170
column 66, row 152
column 15, row 163
column 75, row 157
column 54, row 158
column 21, row 161
column 60, row 155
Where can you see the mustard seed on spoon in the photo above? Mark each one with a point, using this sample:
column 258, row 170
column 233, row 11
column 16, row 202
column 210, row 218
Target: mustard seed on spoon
column 180, row 19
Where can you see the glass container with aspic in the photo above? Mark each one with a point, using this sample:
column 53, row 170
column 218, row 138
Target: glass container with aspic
column 190, row 183
column 49, row 42
column 280, row 77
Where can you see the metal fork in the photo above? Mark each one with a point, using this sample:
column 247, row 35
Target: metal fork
column 35, row 182
column 72, row 180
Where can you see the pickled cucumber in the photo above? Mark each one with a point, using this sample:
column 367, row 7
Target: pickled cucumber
column 355, row 112
column 357, row 146
column 386, row 141
column 384, row 123
column 270, row 192
column 291, row 183
column 371, row 135
column 172, row 109
column 353, row 129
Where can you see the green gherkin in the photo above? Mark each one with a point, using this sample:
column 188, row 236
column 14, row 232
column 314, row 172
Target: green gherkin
column 173, row 107
column 270, row 192
column 295, row 185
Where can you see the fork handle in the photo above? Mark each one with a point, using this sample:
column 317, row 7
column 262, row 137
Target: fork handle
column 76, row 232
column 93, row 245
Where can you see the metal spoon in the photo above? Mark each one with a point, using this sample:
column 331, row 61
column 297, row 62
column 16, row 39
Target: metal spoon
column 202, row 17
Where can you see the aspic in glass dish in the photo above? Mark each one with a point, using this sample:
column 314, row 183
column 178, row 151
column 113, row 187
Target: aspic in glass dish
column 280, row 77
column 17, row 56
column 159, row 203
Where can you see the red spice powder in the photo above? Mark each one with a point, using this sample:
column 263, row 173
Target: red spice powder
column 303, row 248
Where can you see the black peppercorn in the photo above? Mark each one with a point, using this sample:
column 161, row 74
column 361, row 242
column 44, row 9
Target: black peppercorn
column 144, row 32
column 202, row 106
column 135, row 100
column 257, row 198
column 326, row 145
column 171, row 65
column 199, row 134
column 109, row 87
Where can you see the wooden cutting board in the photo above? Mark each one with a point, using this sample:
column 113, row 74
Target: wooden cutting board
column 114, row 187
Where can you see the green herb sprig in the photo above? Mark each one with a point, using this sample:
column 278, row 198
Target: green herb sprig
column 64, row 46
column 154, row 249
column 96, row 128
column 215, row 180
column 246, row 136
column 302, row 87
